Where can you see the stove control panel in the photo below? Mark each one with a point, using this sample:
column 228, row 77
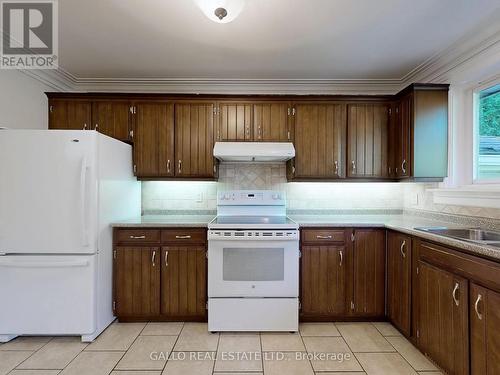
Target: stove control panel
column 283, row 235
column 251, row 198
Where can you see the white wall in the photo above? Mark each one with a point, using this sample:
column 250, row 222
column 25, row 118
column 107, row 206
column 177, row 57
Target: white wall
column 23, row 104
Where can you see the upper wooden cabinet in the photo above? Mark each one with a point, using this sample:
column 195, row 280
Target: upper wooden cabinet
column 271, row 122
column 422, row 132
column 234, row 122
column 70, row 114
column 368, row 270
column 399, row 260
column 154, row 139
column 367, row 135
column 320, row 133
column 112, row 118
column 484, row 312
column 194, row 140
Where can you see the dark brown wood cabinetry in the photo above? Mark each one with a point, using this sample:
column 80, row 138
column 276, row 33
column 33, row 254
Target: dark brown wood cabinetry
column 160, row 274
column 235, row 122
column 323, row 274
column 112, row 118
column 399, row 261
column 137, row 281
column 154, row 140
column 367, row 135
column 70, row 114
column 442, row 323
column 320, row 133
column 484, row 313
column 194, row 140
column 368, row 272
column 271, row 122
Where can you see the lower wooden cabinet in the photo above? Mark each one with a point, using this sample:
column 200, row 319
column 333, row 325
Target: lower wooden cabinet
column 183, row 281
column 368, row 273
column 399, row 261
column 442, row 322
column 323, row 281
column 484, row 307
column 137, row 281
column 164, row 281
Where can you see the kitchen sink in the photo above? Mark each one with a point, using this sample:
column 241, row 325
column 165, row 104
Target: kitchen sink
column 475, row 235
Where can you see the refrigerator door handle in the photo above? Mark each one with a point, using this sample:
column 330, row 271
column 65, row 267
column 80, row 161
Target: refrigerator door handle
column 14, row 264
column 83, row 201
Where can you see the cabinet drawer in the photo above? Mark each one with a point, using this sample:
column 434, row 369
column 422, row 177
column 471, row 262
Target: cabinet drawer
column 323, row 235
column 137, row 236
column 189, row 235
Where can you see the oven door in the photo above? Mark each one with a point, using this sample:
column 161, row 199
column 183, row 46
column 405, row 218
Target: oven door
column 253, row 268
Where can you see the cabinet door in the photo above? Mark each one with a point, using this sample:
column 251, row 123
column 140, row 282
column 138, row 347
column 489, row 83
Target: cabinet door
column 323, row 281
column 442, row 327
column 398, row 280
column 234, row 122
column 112, row 118
column 405, row 120
column 484, row 331
column 393, row 140
column 183, row 280
column 270, row 122
column 320, row 131
column 194, row 140
column 137, row 281
column 368, row 297
column 154, row 140
column 367, row 140
column 70, row 114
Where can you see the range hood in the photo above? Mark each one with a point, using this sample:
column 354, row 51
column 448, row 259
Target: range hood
column 254, row 151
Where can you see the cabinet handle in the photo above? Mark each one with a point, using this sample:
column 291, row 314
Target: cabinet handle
column 259, row 132
column 96, row 127
column 402, row 247
column 323, row 237
column 166, row 258
column 183, row 237
column 180, row 166
column 353, row 163
column 84, row 126
column 153, row 258
column 454, row 294
column 168, row 166
column 403, row 167
column 479, row 298
column 336, row 167
column 341, row 257
column 143, row 237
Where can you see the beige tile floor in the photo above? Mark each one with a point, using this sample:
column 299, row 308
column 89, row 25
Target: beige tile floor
column 188, row 348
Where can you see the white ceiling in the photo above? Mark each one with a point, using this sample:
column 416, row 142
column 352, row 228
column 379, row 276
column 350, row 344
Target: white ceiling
column 271, row 39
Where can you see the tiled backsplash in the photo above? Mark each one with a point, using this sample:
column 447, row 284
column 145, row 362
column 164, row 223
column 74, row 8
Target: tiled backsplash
column 200, row 197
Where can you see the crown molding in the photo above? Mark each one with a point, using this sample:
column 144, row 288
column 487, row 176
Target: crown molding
column 481, row 43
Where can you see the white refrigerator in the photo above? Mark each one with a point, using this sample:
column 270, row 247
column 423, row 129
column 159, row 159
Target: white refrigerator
column 59, row 192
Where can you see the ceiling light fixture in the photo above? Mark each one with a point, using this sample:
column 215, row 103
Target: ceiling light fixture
column 221, row 11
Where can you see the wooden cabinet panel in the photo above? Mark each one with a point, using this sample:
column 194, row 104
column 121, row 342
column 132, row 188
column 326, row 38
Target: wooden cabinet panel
column 399, row 255
column 137, row 281
column 112, row 118
column 442, row 323
column 484, row 330
column 70, row 114
column 320, row 133
column 184, row 235
column 234, row 122
column 194, row 139
column 154, row 140
column 368, row 270
column 133, row 236
column 271, row 122
column 323, row 235
column 367, row 140
column 323, row 281
column 405, row 121
column 183, row 280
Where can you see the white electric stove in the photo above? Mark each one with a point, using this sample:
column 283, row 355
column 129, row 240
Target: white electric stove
column 253, row 264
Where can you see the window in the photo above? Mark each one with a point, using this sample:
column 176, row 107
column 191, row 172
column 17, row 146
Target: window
column 487, row 135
